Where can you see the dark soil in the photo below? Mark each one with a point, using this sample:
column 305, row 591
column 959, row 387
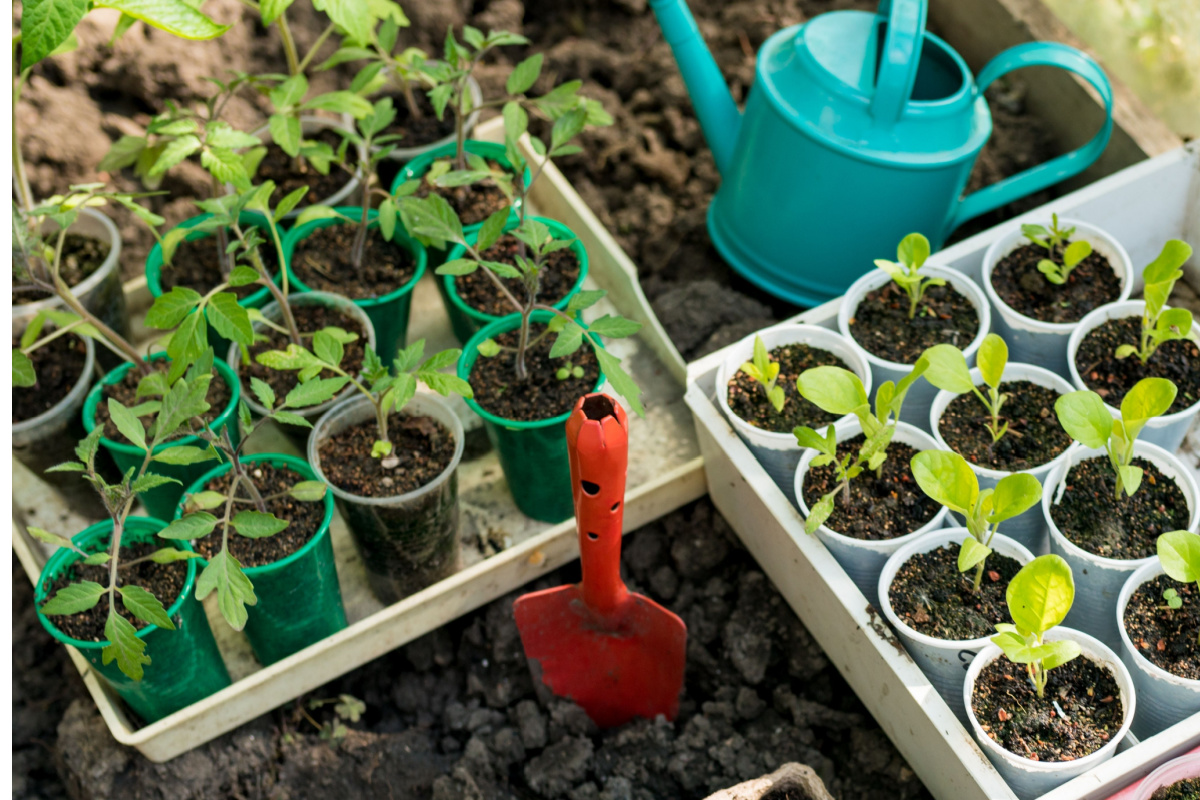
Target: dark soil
column 932, row 597
column 555, row 282
column 196, row 265
column 323, row 261
column 304, row 519
column 164, row 581
column 58, row 366
column 1111, row 377
column 423, row 444
column 416, row 132
column 1186, row 789
column 886, row 507
column 1091, row 516
column 125, row 392
column 1010, row 712
column 309, row 319
column 541, row 395
column 473, row 203
column 290, row 173
column 81, row 256
column 881, row 325
column 1033, row 438
column 1166, row 637
column 1019, row 284
column 748, row 400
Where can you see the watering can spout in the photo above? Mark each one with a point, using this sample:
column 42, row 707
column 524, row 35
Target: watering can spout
column 718, row 114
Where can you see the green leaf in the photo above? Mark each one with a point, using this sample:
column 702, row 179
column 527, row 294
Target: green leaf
column 150, row 481
column 832, row 389
column 229, row 319
column 948, row 369
column 1055, row 654
column 491, row 229
column 972, row 553
column 340, row 102
column 263, row 391
column 620, row 380
column 123, row 153
column 1015, row 494
column 174, row 152
column 432, row 218
column 46, row 24
column 328, row 348
column 807, row 437
column 173, row 16
column 145, row 606
column 271, row 10
column 1041, row 594
column 289, row 203
column 242, row 276
column 614, row 327
column 458, row 266
column 286, row 132
column 992, row 358
column 585, row 298
column 185, row 454
column 294, row 358
column 1179, row 552
column 226, row 166
column 569, row 340
column 234, row 590
column 127, row 423
column 196, row 525
column 52, row 538
column 124, row 646
column 913, row 250
column 819, row 513
column 524, row 75
column 167, row 555
column 222, row 135
column 170, row 309
column 1131, row 478
column 488, row 348
column 946, row 478
column 1149, row 398
column 314, row 392
column 288, row 418
column 317, row 212
column 1167, row 264
column 203, row 500
column 257, row 524
column 446, row 384
column 74, row 598
column 308, row 491
column 1085, row 418
column 22, row 370
column 97, row 558
column 1125, row 351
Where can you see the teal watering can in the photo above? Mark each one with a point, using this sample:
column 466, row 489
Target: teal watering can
column 859, row 128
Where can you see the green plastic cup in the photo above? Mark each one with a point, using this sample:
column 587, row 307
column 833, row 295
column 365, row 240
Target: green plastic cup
column 389, row 313
column 185, row 664
column 466, row 320
column 299, row 597
column 161, row 501
column 421, row 164
column 533, row 455
column 154, row 265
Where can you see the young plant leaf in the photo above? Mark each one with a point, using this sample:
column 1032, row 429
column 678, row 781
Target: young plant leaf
column 832, row 389
column 308, row 491
column 1014, row 495
column 234, row 590
column 195, row 525
column 1179, row 553
column 145, row 606
column 124, row 646
column 1041, row 594
column 947, row 479
column 257, row 524
column 992, row 358
column 1085, row 418
column 74, row 598
column 972, row 553
column 127, row 423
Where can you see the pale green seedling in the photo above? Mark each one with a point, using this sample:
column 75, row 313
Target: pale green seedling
column 905, row 272
column 839, row 391
column 1161, row 324
column 1088, row 421
column 1179, row 554
column 765, row 371
column 948, row 371
column 1048, row 238
column 1072, row 257
column 947, row 478
column 1039, row 597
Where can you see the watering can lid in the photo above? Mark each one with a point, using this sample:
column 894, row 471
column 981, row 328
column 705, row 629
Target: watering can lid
column 879, row 60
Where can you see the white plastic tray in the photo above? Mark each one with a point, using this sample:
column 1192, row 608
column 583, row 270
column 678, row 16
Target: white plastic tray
column 1142, row 206
column 502, row 549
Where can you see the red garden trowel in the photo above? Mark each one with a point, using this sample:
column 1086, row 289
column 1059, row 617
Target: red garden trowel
column 618, row 655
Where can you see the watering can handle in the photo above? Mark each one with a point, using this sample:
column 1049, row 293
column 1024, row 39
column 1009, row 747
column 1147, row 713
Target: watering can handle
column 899, row 59
column 1034, row 179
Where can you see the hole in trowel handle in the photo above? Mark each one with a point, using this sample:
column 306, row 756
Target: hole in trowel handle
column 589, row 488
column 593, row 536
column 599, row 406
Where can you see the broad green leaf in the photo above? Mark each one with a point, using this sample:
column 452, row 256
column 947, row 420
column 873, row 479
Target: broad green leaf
column 614, row 327
column 308, row 491
column 169, row 309
column 317, row 212
column 1015, row 494
column 74, row 598
column 946, row 478
column 123, row 153
column 1167, row 264
column 175, row 152
column 270, row 10
column 446, row 384
column 819, row 513
column 185, row 454
column 46, row 24
column 1085, row 418
column 458, row 266
column 173, row 16
column 1041, row 594
column 991, row 358
column 127, row 423
column 1179, row 552
column 257, row 524
column 289, row 203
column 203, row 500
column 524, row 75
column 948, row 369
column 913, row 250
column 226, row 166
column 315, row 391
column 491, row 229
column 124, row 646
column 295, row 357
column 585, row 298
column 1055, row 654
column 234, row 590
column 145, row 606
column 196, row 525
column 1131, row 478
column 22, row 370
column 242, row 276
column 431, row 217
column 972, row 553
column 97, row 558
column 288, row 418
column 569, row 340
column 229, row 319
column 488, row 348
column 1149, row 398
column 327, row 348
column 832, row 389
column 222, row 135
column 263, row 391
column 340, row 102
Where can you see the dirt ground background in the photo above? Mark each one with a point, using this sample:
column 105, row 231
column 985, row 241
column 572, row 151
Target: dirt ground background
column 452, row 715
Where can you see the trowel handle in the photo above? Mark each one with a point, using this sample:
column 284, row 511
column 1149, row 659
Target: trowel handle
column 598, row 447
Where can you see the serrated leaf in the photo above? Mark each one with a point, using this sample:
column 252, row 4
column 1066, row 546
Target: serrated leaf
column 288, row 418
column 289, row 202
column 226, row 166
column 234, row 589
column 174, row 152
column 127, row 423
column 242, row 275
column 314, row 392
column 263, row 391
column 257, row 524
column 173, row 16
column 170, row 309
column 229, row 319
column 614, row 327
column 47, row 24
column 74, row 598
column 123, row 153
column 446, row 384
column 585, row 298
column 145, row 606
column 124, row 646
column 818, row 514
column 620, row 380
column 196, row 525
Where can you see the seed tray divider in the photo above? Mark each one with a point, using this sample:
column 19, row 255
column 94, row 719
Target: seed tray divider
column 1141, row 206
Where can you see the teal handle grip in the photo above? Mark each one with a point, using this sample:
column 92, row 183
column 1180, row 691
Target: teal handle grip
column 899, row 59
column 1045, row 54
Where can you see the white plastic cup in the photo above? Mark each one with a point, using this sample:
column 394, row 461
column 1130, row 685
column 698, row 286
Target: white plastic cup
column 1045, row 343
column 920, row 395
column 271, row 312
column 1028, row 778
column 308, row 126
column 407, row 541
column 863, row 559
column 1028, row 528
column 1167, row 431
column 778, row 452
column 1099, row 580
column 1170, row 773
column 1163, row 698
column 944, row 661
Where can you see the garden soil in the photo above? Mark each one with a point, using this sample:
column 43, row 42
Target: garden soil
column 455, row 714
